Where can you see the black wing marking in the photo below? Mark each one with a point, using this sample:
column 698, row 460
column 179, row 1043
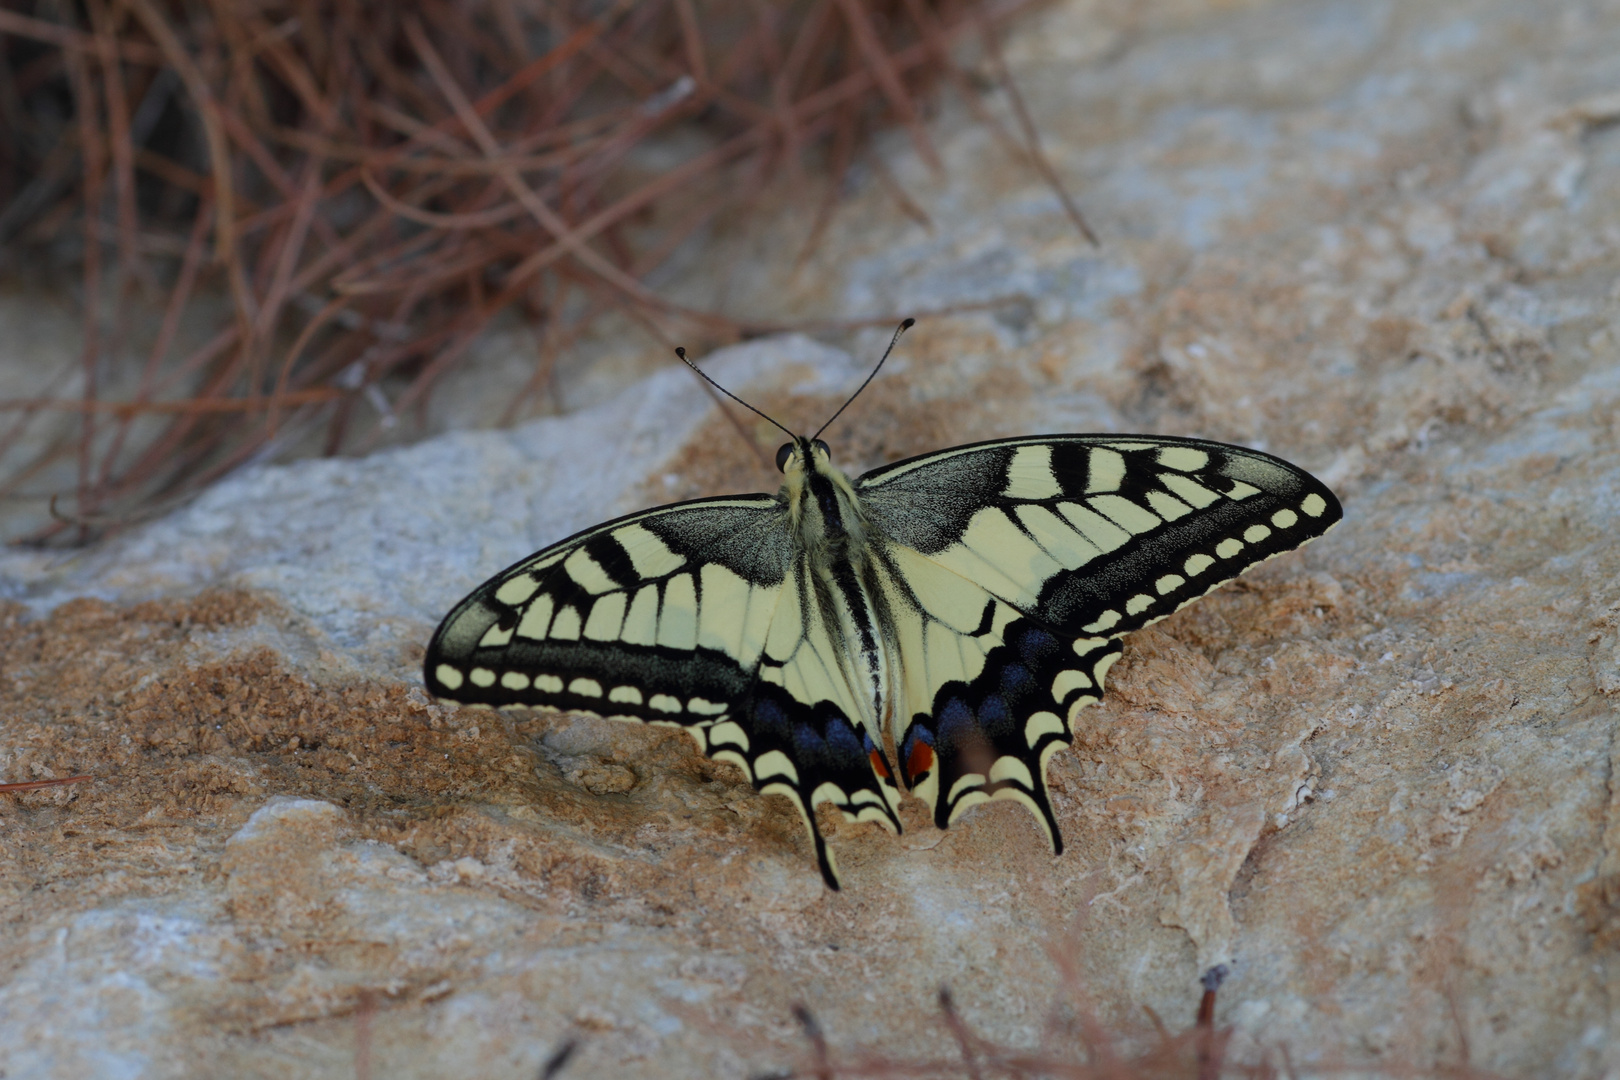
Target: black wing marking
column 696, row 615
column 1054, row 546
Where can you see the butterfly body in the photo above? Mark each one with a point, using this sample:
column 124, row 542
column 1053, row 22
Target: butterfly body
column 934, row 626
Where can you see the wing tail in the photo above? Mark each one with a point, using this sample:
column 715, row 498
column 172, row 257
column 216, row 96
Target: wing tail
column 993, row 736
column 812, row 754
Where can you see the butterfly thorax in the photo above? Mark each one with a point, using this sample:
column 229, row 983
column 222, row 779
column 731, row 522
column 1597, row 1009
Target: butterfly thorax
column 824, row 512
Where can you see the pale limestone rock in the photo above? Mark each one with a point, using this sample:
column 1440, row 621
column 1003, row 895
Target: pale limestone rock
column 1376, row 779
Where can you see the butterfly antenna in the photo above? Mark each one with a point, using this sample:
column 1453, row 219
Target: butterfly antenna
column 905, row 325
column 680, row 351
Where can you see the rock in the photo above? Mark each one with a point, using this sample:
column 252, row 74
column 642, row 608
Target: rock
column 1374, row 778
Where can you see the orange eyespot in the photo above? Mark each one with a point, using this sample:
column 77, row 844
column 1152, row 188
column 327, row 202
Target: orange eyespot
column 920, row 760
column 878, row 765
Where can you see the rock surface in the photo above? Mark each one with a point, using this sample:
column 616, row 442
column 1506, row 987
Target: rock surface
column 1375, row 778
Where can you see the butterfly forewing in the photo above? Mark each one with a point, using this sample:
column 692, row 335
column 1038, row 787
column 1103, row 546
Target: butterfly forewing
column 1062, row 544
column 608, row 620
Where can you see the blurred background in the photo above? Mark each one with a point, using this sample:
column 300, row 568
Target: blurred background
column 240, row 232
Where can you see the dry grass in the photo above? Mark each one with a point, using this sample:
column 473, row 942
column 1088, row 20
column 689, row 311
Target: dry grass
column 344, row 193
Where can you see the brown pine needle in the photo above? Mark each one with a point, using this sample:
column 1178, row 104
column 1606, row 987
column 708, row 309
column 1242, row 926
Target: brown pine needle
column 365, row 198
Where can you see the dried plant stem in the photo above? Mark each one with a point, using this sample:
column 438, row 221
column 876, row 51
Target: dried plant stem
column 367, row 186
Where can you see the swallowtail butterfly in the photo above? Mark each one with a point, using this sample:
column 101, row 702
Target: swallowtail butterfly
column 934, row 626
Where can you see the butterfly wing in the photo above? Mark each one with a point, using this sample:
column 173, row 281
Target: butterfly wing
column 1012, row 568
column 700, row 615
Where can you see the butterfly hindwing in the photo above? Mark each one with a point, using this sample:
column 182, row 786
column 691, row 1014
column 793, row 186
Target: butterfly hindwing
column 1064, row 544
column 696, row 615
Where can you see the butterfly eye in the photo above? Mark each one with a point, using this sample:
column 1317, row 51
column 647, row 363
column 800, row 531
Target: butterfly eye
column 782, row 453
column 824, row 448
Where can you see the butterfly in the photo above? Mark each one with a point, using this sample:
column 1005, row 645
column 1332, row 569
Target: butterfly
column 934, row 626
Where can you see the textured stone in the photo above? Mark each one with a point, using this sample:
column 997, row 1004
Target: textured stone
column 1375, row 778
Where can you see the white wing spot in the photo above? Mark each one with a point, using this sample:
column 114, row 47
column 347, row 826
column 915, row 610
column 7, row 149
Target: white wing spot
column 1059, row 538
column 723, row 614
column 1100, row 669
column 1087, row 644
column 1136, row 518
column 677, row 619
column 1240, row 490
column 1041, row 723
column 588, row 573
column 963, row 782
column 546, row 563
column 648, row 553
column 665, row 703
column 705, row 707
column 1313, row 505
column 495, row 637
column 728, row 733
column 450, row 677
column 1229, row 547
column 1138, row 604
column 1169, row 584
column 1256, row 533
column 1104, row 621
column 536, row 619
column 1167, row 506
column 1189, row 489
column 566, row 626
column 1102, row 533
column 1197, row 564
column 607, row 616
column 482, row 676
column 1029, row 474
column 585, row 687
column 515, row 680
column 1011, row 768
column 548, row 683
column 1284, row 519
column 1184, row 458
column 641, row 625
column 1068, row 682
column 968, row 800
column 1105, row 469
column 775, row 763
column 516, row 589
column 827, row 791
column 625, row 695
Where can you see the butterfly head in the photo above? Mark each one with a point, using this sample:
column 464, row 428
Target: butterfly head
column 821, row 502
column 802, row 454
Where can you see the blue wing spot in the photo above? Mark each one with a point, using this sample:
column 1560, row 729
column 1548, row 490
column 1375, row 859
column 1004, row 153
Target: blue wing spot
column 770, row 718
column 842, row 739
column 995, row 718
column 1016, row 679
column 1035, row 645
column 956, row 722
